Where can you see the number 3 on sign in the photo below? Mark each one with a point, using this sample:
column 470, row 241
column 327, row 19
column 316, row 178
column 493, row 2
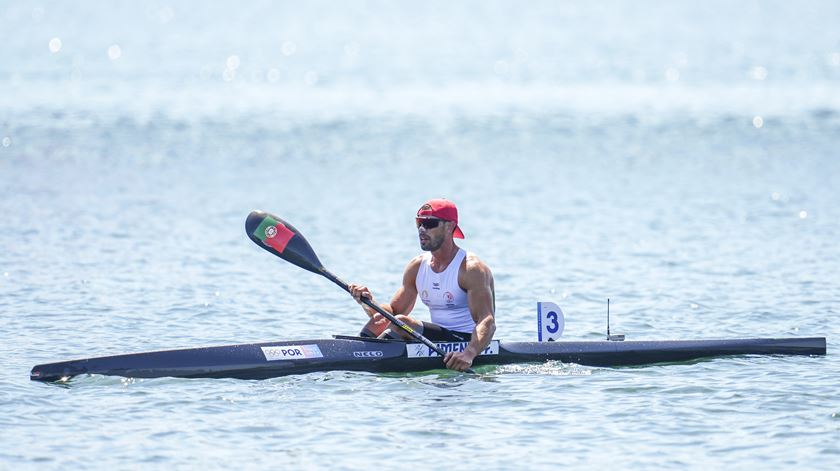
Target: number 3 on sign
column 550, row 322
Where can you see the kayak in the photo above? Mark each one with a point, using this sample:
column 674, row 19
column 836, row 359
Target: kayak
column 344, row 353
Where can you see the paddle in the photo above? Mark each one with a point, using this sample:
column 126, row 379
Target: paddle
column 282, row 239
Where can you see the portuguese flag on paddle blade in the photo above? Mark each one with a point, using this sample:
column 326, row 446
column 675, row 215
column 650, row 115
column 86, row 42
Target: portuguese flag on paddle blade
column 274, row 234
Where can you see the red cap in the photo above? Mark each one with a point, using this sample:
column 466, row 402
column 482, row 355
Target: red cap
column 441, row 209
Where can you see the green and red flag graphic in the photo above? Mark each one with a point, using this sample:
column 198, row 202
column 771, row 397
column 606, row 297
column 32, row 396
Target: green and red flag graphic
column 274, row 234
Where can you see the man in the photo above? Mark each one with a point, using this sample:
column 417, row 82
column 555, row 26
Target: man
column 456, row 286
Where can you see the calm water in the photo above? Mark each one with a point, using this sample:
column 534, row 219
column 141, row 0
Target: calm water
column 680, row 159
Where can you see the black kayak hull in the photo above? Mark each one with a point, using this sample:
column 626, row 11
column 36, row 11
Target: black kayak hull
column 274, row 359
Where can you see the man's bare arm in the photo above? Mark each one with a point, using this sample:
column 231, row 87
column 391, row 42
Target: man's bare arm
column 477, row 281
column 403, row 300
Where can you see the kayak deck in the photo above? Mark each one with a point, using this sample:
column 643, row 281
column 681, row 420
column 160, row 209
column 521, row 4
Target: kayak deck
column 342, row 353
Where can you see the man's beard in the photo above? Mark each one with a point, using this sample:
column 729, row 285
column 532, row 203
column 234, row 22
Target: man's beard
column 432, row 245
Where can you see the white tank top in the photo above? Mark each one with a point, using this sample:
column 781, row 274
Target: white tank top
column 440, row 292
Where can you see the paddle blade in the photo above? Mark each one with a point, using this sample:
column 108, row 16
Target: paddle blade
column 282, row 239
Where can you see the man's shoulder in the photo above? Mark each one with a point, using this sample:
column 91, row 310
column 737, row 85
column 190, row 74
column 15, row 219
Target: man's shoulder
column 414, row 265
column 472, row 262
column 474, row 268
column 410, row 273
column 416, row 261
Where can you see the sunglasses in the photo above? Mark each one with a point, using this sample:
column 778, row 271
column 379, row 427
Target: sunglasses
column 429, row 223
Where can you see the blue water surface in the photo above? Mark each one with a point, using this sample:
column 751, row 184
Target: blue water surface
column 679, row 158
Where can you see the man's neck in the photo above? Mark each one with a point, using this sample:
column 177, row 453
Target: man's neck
column 444, row 255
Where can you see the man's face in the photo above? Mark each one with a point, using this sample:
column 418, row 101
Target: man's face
column 432, row 232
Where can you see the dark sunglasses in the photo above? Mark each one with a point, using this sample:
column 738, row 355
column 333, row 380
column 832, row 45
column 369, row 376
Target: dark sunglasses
column 429, row 223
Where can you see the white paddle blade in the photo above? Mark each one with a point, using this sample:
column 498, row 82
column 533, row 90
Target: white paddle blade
column 550, row 322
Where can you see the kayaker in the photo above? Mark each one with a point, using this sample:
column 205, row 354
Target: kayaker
column 455, row 285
